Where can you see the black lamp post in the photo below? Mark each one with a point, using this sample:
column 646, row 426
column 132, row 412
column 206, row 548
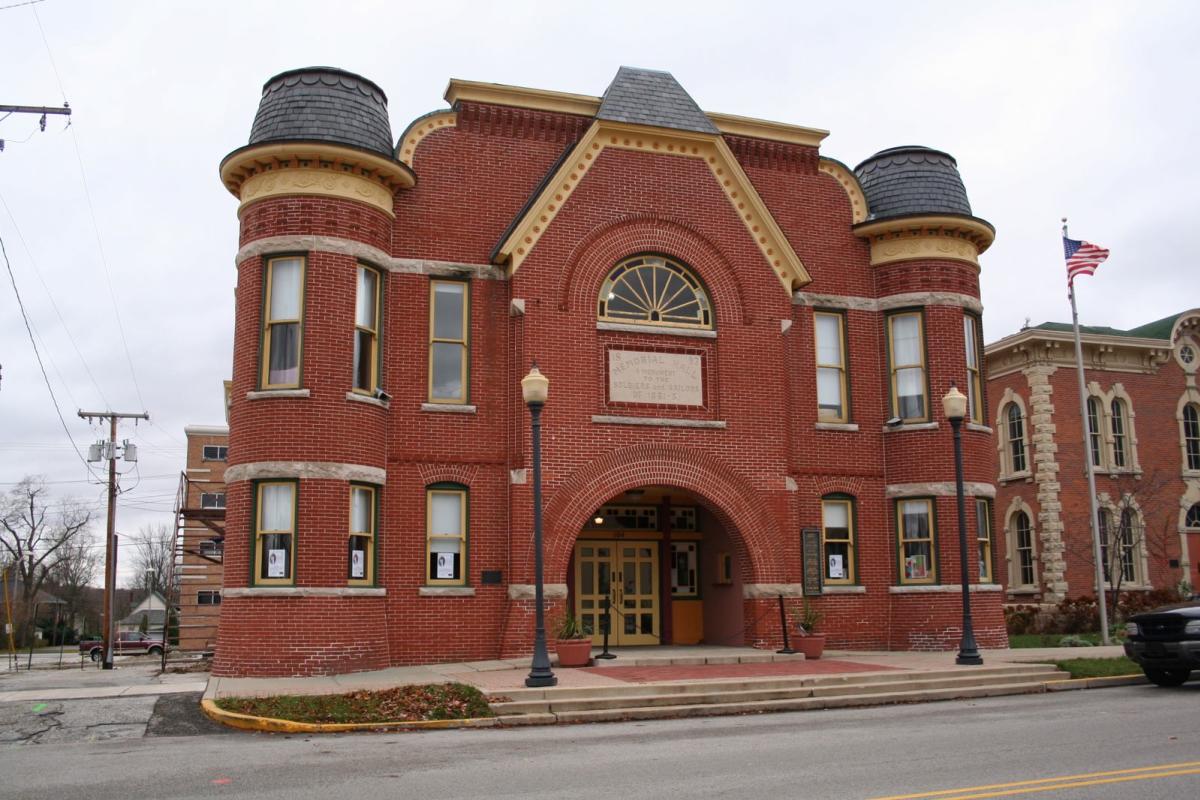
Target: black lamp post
column 955, row 406
column 535, row 387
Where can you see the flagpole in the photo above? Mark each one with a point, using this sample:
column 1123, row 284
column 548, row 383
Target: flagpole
column 1093, row 506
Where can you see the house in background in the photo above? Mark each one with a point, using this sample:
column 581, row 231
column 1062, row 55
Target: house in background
column 200, row 535
column 150, row 612
column 1142, row 436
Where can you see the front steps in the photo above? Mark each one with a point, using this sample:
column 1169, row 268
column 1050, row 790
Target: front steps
column 760, row 695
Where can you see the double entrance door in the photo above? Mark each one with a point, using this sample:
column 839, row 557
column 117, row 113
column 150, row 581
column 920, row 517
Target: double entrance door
column 625, row 573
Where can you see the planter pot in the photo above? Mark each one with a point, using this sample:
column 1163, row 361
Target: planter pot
column 812, row 645
column 574, row 652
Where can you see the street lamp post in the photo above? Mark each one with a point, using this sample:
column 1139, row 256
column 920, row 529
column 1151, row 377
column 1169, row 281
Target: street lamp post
column 535, row 387
column 955, row 406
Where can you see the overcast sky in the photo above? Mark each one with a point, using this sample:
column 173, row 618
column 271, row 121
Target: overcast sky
column 1079, row 109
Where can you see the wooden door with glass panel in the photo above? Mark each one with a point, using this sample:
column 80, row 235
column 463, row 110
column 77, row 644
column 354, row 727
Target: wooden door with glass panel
column 627, row 574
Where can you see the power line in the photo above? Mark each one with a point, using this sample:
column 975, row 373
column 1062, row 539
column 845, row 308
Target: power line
column 41, row 366
column 19, row 5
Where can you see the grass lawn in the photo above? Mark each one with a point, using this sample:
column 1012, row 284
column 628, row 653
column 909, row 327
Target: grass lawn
column 401, row 704
column 1047, row 639
column 1098, row 667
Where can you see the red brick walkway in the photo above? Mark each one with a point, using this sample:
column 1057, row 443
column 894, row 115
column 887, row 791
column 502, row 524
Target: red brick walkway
column 687, row 672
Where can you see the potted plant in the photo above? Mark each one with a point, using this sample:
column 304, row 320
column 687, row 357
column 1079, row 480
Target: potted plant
column 573, row 642
column 809, row 642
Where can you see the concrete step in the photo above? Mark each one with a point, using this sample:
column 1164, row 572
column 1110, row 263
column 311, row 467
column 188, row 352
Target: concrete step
column 1045, row 672
column 653, row 696
column 691, row 660
column 765, row 706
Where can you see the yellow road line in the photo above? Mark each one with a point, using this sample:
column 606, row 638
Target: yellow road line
column 1060, row 782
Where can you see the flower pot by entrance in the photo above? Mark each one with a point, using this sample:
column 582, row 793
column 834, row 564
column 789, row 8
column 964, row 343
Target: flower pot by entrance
column 812, row 645
column 574, row 652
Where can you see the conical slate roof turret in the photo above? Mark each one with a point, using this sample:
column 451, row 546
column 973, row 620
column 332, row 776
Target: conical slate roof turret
column 903, row 181
column 323, row 104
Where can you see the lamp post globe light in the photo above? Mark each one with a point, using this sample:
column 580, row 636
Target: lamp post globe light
column 535, row 387
column 955, row 406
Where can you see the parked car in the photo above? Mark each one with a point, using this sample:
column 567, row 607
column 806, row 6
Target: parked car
column 126, row 643
column 1165, row 642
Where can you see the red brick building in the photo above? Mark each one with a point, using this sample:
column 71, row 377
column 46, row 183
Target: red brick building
column 201, row 535
column 746, row 343
column 1142, row 436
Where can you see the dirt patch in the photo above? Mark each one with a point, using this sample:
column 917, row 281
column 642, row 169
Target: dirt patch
column 400, row 704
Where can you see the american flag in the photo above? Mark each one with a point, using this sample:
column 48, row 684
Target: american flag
column 1082, row 258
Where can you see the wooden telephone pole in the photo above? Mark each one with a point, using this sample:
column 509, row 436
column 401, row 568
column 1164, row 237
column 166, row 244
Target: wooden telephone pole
column 43, row 110
column 110, row 539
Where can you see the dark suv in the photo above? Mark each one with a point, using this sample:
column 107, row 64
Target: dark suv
column 1166, row 642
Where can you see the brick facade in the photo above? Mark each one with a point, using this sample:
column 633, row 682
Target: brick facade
column 202, row 523
column 1148, row 373
column 751, row 456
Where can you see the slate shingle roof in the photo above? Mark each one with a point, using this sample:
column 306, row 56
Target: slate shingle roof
column 323, row 104
column 912, row 180
column 651, row 97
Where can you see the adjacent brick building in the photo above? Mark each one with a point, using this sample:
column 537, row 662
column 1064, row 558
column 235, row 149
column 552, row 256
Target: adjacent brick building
column 201, row 535
column 1142, row 436
column 746, row 343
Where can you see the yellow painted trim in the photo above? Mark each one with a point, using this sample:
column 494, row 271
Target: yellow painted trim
column 247, row 722
column 314, row 168
column 588, row 105
column 373, row 356
column 463, row 521
column 463, row 341
column 849, row 183
column 930, row 540
column 369, row 534
column 943, row 237
column 268, row 323
column 408, row 148
column 260, row 532
column 851, row 573
column 716, row 154
column 840, row 366
column 893, row 367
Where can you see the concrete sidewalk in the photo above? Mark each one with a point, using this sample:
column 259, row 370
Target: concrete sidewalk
column 688, row 663
column 127, row 680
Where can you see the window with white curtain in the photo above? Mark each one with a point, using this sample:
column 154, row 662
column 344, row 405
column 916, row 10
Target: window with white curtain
column 366, row 331
column 282, row 327
column 446, row 527
column 907, row 359
column 832, row 405
column 360, row 563
column 275, row 533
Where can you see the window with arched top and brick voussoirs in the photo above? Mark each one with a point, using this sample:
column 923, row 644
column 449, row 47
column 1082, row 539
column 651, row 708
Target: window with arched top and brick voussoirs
column 1120, row 428
column 1191, row 436
column 656, row 291
column 1014, row 433
column 1095, row 437
column 1191, row 520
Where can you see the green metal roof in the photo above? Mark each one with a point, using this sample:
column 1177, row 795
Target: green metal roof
column 1159, row 329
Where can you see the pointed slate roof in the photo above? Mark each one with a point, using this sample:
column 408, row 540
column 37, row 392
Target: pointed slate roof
column 651, row 97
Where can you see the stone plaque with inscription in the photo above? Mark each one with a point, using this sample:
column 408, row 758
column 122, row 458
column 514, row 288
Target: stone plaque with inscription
column 660, row 378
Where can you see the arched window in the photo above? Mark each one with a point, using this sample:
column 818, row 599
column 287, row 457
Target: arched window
column 837, row 535
column 1095, row 438
column 1128, row 542
column 1192, row 520
column 1021, row 536
column 1191, row 435
column 652, row 290
column 1015, row 431
column 1105, row 520
column 1120, row 424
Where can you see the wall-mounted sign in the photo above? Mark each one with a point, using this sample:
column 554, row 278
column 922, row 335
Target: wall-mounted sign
column 660, row 378
column 810, row 541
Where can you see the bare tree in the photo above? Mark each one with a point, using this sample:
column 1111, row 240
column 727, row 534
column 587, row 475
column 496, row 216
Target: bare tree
column 36, row 540
column 153, row 558
column 73, row 575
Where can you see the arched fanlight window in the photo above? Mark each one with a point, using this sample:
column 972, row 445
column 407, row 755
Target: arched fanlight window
column 652, row 290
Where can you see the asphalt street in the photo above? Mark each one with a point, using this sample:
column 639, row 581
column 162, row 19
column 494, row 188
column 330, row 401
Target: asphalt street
column 959, row 750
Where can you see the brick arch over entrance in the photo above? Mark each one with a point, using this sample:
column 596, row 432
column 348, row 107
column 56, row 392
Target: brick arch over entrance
column 598, row 252
column 734, row 500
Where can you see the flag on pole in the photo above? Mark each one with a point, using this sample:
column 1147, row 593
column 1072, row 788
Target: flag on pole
column 1082, row 258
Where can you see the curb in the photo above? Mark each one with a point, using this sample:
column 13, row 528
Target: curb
column 1072, row 684
column 247, row 722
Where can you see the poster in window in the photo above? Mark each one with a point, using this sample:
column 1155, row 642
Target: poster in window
column 836, row 569
column 916, row 568
column 276, row 563
column 358, row 564
column 445, row 566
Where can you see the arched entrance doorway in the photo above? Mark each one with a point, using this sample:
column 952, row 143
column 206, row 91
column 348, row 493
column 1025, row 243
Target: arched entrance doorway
column 654, row 565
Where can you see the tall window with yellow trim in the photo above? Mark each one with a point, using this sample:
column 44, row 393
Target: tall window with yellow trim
column 832, row 395
column 914, row 527
column 283, row 312
column 275, row 533
column 974, row 353
column 448, row 341
column 363, row 521
column 983, row 535
column 837, row 535
column 366, row 330
column 446, row 526
column 906, row 360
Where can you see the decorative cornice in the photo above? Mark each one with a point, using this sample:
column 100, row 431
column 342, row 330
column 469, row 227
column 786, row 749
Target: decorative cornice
column 421, row 128
column 842, row 174
column 724, row 167
column 933, row 236
column 1034, row 346
column 588, row 106
column 320, row 470
column 320, row 169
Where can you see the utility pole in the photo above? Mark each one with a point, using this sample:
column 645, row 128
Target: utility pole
column 43, row 110
column 109, row 450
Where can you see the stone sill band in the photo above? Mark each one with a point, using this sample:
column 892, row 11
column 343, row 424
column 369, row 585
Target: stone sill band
column 448, row 408
column 605, row 419
column 695, row 333
column 304, row 591
column 367, row 400
column 945, row 588
column 267, row 394
column 446, row 591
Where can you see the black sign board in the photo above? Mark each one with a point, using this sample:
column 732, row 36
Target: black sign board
column 810, row 542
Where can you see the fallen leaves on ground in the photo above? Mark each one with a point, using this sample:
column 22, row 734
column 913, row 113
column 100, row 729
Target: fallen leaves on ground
column 412, row 703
